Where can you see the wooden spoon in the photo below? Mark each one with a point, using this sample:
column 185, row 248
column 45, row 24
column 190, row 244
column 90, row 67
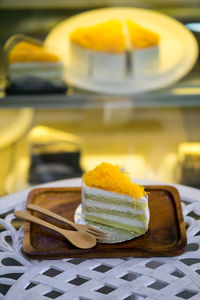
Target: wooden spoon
column 79, row 239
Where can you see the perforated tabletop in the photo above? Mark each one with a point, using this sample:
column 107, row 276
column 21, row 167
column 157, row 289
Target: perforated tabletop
column 120, row 278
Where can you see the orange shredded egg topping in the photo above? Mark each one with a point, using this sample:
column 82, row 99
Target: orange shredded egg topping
column 110, row 36
column 109, row 177
column 141, row 37
column 27, row 52
column 106, row 37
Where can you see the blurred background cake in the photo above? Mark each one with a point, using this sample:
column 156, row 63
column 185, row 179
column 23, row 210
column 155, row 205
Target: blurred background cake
column 114, row 49
column 34, row 69
column 54, row 155
column 144, row 49
column 99, row 50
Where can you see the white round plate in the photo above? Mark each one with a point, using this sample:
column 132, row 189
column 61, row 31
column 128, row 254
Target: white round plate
column 114, row 235
column 178, row 49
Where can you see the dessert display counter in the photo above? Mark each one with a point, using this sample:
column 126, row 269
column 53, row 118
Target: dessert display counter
column 50, row 140
column 184, row 93
column 153, row 134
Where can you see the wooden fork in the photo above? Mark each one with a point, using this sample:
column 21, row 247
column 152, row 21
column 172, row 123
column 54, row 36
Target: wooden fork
column 79, row 239
column 83, row 228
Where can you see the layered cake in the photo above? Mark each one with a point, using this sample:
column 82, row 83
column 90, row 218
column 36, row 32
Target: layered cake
column 144, row 49
column 33, row 68
column 110, row 197
column 115, row 50
column 98, row 51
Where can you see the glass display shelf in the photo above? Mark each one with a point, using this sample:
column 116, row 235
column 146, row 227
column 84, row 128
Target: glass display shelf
column 184, row 93
column 144, row 133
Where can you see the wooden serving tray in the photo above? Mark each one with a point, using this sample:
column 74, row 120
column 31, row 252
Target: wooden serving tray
column 166, row 235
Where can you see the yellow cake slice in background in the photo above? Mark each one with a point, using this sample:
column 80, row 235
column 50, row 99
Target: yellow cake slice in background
column 31, row 68
column 27, row 52
column 98, row 51
column 105, row 37
column 141, row 37
column 144, row 49
column 29, row 60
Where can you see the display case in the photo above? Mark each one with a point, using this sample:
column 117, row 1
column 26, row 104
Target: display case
column 153, row 134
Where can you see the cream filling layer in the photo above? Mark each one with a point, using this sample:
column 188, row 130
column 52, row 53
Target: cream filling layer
column 122, row 208
column 53, row 70
column 107, row 194
column 126, row 221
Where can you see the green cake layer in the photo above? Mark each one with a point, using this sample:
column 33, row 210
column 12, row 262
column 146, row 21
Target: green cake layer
column 138, row 204
column 116, row 210
column 133, row 229
column 139, row 217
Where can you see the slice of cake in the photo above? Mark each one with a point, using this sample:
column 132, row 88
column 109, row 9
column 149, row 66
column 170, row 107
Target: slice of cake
column 32, row 67
column 99, row 50
column 110, row 197
column 144, row 49
column 113, row 50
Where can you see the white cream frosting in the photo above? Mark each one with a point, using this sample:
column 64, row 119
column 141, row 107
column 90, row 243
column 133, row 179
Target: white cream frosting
column 45, row 70
column 127, row 221
column 108, row 67
column 145, row 61
column 120, row 197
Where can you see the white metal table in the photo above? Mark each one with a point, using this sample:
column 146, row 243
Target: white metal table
column 156, row 278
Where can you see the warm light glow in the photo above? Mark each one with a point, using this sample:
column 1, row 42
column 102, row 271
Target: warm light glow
column 187, row 91
column 189, row 148
column 134, row 164
column 44, row 138
column 18, row 124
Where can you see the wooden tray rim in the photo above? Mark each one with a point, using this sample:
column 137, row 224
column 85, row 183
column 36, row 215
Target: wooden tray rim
column 177, row 248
